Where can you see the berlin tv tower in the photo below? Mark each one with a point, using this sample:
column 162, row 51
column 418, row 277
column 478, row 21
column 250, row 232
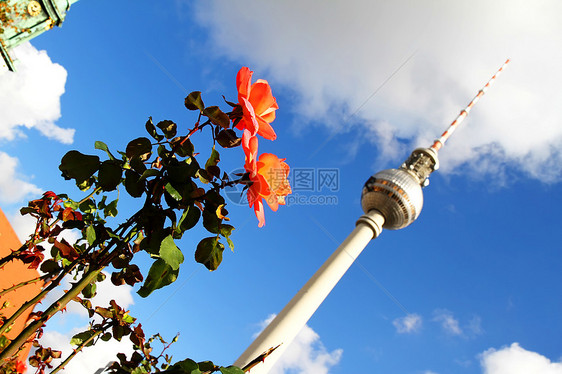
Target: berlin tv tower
column 391, row 199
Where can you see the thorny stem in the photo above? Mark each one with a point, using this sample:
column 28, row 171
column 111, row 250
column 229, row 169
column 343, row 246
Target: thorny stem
column 166, row 348
column 78, row 350
column 25, row 283
column 37, row 297
column 45, row 291
column 51, row 310
column 261, row 358
column 11, row 256
column 62, row 301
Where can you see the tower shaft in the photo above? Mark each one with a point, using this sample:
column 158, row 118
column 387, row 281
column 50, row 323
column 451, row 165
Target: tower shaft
column 290, row 321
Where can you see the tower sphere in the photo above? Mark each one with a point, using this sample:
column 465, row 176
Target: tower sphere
column 396, row 194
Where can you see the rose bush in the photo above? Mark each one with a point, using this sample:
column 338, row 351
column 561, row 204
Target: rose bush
column 174, row 192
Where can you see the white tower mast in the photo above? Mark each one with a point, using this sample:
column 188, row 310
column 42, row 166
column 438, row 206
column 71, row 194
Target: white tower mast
column 391, row 199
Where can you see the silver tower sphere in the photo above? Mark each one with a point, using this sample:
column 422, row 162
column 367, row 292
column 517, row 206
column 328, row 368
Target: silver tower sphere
column 397, row 193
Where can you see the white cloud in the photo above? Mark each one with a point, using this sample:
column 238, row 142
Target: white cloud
column 13, row 186
column 336, row 55
column 447, row 321
column 24, row 226
column 516, row 360
column 475, row 326
column 305, row 355
column 107, row 291
column 408, row 324
column 30, row 98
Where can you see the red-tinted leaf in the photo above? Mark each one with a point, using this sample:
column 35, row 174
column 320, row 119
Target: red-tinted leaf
column 67, row 251
column 69, row 214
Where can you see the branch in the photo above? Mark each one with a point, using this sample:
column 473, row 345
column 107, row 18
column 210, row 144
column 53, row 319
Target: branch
column 259, row 359
column 34, row 238
column 47, row 314
column 86, row 279
column 77, row 350
column 37, row 297
column 25, row 283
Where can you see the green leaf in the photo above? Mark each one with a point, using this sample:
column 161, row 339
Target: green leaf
column 210, row 220
column 170, row 253
column 228, row 139
column 203, row 176
column 231, row 370
column 182, row 172
column 104, row 312
column 85, row 185
column 189, row 218
column 206, row 366
column 101, row 203
column 159, row 275
column 186, row 366
column 137, row 164
column 88, row 206
column 89, row 291
column 101, row 277
column 173, row 192
column 214, row 198
column 106, row 337
column 71, row 204
column 209, row 253
column 82, row 337
column 182, row 146
column 118, row 332
column 151, row 129
column 49, row 266
column 149, row 173
column 139, row 147
column 169, row 128
column 211, row 164
column 217, row 116
column 230, row 244
column 128, row 318
column 111, row 209
column 139, row 370
column 133, row 184
column 26, row 210
column 90, row 234
column 109, row 175
column 226, row 231
column 193, row 101
column 102, row 146
column 78, row 166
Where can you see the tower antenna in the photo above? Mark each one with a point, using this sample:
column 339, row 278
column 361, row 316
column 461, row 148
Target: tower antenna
column 462, row 115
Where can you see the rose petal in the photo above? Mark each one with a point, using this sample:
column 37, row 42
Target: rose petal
column 243, row 79
column 259, row 212
column 265, row 130
column 262, row 98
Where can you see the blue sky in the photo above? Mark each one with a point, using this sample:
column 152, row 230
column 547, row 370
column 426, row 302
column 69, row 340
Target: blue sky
column 473, row 286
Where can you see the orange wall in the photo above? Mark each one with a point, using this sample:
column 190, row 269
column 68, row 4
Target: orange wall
column 13, row 273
